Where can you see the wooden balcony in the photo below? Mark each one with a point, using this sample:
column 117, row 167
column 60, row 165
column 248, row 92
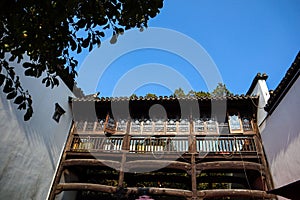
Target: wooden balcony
column 165, row 127
column 209, row 145
column 183, row 157
column 174, row 156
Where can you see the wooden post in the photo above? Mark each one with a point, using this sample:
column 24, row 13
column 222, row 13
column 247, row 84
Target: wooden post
column 121, row 173
column 192, row 138
column 126, row 138
column 192, row 150
column 125, row 149
column 194, row 177
column 260, row 151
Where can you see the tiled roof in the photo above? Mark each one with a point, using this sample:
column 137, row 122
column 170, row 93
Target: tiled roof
column 288, row 80
column 164, row 98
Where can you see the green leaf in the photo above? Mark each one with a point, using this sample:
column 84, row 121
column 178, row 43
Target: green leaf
column 12, row 95
column 8, row 86
column 100, row 33
column 22, row 106
column 81, row 23
column 12, row 74
column 20, row 57
column 86, row 42
column 114, row 39
column 27, row 65
column 73, row 44
column 91, row 47
column 47, row 83
column 19, row 99
column 79, row 49
column 44, row 80
column 29, row 72
column 55, row 81
column 52, row 84
column 2, row 78
column 28, row 114
column 12, row 58
column 29, row 101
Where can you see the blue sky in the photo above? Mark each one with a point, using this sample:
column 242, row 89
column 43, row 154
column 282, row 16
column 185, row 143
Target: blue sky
column 242, row 38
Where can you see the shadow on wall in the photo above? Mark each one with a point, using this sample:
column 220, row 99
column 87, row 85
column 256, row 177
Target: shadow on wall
column 27, row 156
column 34, row 138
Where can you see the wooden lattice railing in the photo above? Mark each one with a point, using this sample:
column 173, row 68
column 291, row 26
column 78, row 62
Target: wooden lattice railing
column 229, row 144
column 139, row 144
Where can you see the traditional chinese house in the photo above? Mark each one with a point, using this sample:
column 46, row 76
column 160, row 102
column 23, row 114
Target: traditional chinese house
column 163, row 148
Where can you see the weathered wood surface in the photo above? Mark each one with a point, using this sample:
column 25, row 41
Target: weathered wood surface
column 92, row 162
column 156, row 164
column 230, row 165
column 235, row 193
column 111, row 189
column 85, row 186
column 140, row 164
column 166, row 191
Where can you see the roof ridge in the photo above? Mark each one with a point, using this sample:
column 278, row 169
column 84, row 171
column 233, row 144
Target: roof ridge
column 285, row 84
column 229, row 97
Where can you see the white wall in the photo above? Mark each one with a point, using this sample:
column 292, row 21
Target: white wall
column 281, row 138
column 30, row 151
column 261, row 89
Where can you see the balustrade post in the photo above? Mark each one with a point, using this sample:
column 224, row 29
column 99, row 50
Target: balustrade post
column 192, row 139
column 126, row 138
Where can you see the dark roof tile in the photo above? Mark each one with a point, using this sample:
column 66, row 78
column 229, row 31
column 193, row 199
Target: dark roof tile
column 286, row 83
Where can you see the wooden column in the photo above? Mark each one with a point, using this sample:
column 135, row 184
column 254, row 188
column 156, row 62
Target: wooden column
column 194, row 177
column 121, row 173
column 126, row 138
column 261, row 153
column 125, row 149
column 192, row 150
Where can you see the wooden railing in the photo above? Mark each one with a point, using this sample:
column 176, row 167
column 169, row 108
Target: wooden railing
column 96, row 143
column 163, row 144
column 139, row 144
column 161, row 127
column 226, row 144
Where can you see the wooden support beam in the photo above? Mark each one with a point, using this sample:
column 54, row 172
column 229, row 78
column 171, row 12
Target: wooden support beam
column 217, row 193
column 222, row 179
column 230, row 165
column 170, row 192
column 92, row 162
column 133, row 179
column 84, row 186
column 139, row 164
column 156, row 164
column 166, row 191
column 111, row 189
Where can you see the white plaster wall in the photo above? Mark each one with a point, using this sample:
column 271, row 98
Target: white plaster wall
column 281, row 138
column 262, row 90
column 30, row 151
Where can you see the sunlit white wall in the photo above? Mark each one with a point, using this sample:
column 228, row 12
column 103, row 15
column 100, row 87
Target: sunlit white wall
column 30, row 151
column 281, row 138
column 262, row 91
